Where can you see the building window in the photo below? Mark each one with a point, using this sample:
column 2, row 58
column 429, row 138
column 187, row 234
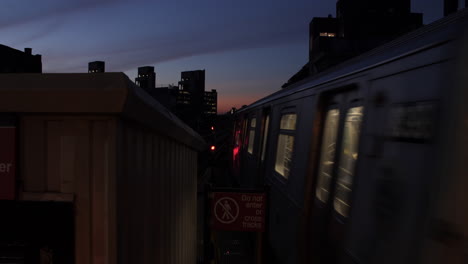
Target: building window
column 265, row 136
column 348, row 158
column 327, row 154
column 285, row 144
column 327, row 34
column 253, row 123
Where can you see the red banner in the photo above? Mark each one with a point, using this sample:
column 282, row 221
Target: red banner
column 7, row 162
column 238, row 211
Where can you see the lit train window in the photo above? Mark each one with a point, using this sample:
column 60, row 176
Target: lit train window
column 253, row 123
column 327, row 154
column 265, row 136
column 348, row 158
column 285, row 145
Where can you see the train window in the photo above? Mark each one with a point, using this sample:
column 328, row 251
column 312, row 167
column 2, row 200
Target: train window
column 348, row 158
column 244, row 132
column 253, row 123
column 237, row 140
column 327, row 155
column 285, row 144
column 237, row 132
column 265, row 136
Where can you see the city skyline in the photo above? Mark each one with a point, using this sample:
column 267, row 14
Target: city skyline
column 247, row 49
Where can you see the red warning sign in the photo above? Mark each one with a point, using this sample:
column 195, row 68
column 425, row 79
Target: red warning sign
column 7, row 162
column 238, row 211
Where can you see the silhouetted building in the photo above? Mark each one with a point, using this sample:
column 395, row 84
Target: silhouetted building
column 167, row 96
column 359, row 26
column 193, row 82
column 210, row 103
column 183, row 101
column 452, row 6
column 381, row 20
column 16, row 61
column 322, row 27
column 96, row 66
column 146, row 78
column 190, row 99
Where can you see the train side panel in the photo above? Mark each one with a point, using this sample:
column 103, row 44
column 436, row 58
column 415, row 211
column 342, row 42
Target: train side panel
column 396, row 172
column 447, row 230
column 287, row 192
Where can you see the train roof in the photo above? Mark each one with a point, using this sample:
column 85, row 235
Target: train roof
column 438, row 32
column 91, row 93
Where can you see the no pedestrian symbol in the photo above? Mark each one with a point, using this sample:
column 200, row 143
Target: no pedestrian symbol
column 238, row 211
column 226, row 210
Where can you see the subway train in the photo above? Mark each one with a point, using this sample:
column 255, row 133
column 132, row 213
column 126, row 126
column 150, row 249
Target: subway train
column 366, row 162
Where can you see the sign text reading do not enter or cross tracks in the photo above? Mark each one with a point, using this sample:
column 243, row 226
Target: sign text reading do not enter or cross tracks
column 238, row 211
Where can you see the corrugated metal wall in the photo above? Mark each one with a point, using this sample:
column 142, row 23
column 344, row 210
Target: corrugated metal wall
column 71, row 159
column 156, row 198
column 134, row 191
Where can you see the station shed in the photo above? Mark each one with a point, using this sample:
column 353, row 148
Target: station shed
column 99, row 172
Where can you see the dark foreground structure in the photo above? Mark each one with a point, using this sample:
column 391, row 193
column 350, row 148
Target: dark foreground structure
column 100, row 173
column 16, row 61
column 367, row 161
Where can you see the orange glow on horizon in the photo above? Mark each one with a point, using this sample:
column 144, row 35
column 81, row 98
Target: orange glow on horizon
column 226, row 102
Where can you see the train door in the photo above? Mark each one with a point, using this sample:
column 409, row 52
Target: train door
column 236, row 148
column 337, row 158
column 262, row 150
column 250, row 158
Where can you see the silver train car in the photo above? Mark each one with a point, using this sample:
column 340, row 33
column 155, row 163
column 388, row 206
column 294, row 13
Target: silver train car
column 367, row 162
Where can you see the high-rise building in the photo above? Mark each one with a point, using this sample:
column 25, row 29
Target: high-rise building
column 370, row 19
column 16, row 61
column 146, row 78
column 167, row 96
column 96, row 66
column 210, row 103
column 325, row 27
column 190, row 99
column 452, row 6
column 193, row 82
column 359, row 26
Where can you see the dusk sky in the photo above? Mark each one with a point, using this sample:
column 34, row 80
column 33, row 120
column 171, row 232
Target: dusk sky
column 248, row 48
